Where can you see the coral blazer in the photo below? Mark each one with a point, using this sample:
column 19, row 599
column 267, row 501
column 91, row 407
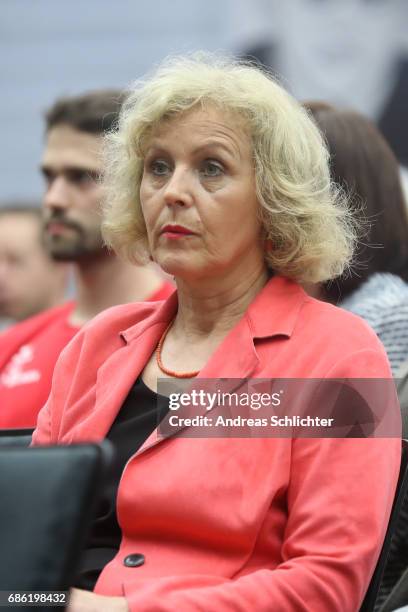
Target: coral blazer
column 235, row 524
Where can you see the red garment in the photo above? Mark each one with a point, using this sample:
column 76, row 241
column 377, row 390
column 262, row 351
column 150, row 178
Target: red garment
column 227, row 524
column 164, row 291
column 28, row 353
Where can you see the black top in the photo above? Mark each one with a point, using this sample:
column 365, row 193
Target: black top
column 139, row 416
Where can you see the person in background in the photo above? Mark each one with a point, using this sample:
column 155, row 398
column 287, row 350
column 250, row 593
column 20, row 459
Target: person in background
column 364, row 165
column 376, row 289
column 71, row 166
column 30, row 280
column 220, row 177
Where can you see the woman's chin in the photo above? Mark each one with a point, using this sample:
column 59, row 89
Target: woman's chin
column 180, row 267
column 174, row 267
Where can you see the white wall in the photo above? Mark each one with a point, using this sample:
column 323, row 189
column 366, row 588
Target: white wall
column 53, row 47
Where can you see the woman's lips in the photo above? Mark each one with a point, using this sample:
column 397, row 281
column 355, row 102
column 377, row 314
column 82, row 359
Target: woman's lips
column 176, row 231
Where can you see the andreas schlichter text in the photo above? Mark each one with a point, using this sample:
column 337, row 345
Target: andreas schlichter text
column 273, row 421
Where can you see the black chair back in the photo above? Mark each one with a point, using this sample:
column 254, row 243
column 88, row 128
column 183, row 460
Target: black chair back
column 46, row 502
column 401, row 492
column 15, row 437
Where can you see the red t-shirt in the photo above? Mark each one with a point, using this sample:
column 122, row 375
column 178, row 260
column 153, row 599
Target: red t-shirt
column 28, row 353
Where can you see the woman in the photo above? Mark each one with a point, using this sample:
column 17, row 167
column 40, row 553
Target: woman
column 219, row 176
column 362, row 163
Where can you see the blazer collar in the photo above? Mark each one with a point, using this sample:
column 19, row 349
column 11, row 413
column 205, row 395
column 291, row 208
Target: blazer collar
column 274, row 312
column 161, row 317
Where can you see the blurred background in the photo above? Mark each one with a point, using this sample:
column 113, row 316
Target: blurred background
column 353, row 53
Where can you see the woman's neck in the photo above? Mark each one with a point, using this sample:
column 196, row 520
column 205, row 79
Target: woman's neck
column 215, row 306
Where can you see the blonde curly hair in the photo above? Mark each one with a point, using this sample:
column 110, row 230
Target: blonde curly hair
column 304, row 215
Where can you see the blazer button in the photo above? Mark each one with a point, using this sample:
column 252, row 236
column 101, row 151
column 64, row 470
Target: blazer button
column 134, row 560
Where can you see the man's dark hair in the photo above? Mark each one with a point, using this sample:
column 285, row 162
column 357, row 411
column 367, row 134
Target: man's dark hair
column 95, row 112
column 362, row 162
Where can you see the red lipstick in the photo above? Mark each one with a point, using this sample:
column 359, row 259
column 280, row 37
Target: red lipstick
column 176, row 231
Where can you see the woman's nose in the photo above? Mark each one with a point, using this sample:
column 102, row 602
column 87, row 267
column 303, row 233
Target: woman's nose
column 179, row 187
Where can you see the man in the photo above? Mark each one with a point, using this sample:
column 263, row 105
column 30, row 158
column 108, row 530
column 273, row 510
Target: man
column 30, row 281
column 71, row 166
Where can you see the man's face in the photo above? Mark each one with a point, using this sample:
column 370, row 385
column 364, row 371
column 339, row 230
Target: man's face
column 71, row 165
column 27, row 274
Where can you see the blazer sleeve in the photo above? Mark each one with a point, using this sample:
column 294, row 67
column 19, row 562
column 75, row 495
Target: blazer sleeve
column 339, row 501
column 65, row 371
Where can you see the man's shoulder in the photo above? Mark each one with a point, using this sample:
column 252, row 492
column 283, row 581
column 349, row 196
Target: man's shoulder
column 29, row 328
column 39, row 320
column 33, row 330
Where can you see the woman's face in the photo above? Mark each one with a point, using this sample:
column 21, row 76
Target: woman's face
column 198, row 196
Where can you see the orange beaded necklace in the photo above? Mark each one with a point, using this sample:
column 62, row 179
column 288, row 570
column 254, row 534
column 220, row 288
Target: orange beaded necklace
column 160, row 363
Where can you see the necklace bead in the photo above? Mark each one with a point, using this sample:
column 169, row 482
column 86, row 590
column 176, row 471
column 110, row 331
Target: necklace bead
column 163, row 368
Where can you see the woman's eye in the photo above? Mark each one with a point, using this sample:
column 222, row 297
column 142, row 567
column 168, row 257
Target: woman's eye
column 212, row 168
column 159, row 167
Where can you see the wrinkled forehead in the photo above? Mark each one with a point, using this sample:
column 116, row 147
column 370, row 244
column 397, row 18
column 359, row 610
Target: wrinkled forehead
column 201, row 122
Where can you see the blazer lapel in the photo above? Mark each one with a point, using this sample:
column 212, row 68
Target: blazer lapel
column 274, row 312
column 117, row 374
column 235, row 358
